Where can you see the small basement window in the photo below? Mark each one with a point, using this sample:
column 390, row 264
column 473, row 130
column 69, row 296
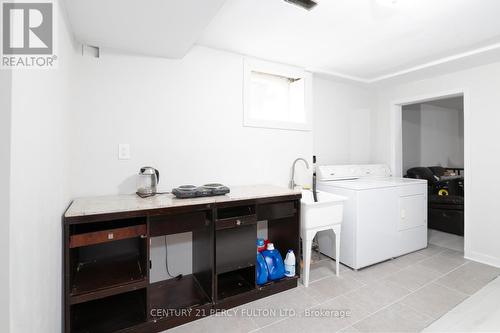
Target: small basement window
column 276, row 96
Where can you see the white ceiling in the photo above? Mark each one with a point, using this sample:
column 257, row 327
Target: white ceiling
column 360, row 40
column 357, row 39
column 165, row 28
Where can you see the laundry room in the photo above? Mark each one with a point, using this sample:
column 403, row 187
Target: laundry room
column 249, row 166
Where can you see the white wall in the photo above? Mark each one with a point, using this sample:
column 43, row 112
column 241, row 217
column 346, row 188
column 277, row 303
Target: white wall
column 342, row 122
column 481, row 85
column 5, row 115
column 183, row 117
column 432, row 135
column 39, row 189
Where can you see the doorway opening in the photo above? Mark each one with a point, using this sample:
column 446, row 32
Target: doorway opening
column 431, row 145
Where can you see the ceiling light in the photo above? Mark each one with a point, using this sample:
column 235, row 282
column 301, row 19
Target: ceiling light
column 306, row 4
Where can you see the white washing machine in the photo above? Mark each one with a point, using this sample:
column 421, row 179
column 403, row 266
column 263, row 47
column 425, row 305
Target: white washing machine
column 384, row 217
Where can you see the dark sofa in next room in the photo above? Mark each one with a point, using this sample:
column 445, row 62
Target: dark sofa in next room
column 445, row 199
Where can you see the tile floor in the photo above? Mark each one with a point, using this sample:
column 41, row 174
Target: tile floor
column 405, row 294
column 446, row 240
column 478, row 313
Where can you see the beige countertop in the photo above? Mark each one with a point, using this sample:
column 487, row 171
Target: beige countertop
column 132, row 202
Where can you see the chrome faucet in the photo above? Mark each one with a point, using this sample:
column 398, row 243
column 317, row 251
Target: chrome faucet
column 292, row 180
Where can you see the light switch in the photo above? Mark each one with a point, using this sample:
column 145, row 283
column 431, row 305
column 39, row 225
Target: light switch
column 123, row 151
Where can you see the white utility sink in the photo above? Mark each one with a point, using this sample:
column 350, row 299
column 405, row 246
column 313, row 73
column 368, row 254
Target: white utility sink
column 325, row 214
column 327, row 211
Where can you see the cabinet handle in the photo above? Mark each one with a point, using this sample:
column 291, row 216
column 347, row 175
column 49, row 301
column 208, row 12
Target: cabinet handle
column 238, row 222
column 111, row 235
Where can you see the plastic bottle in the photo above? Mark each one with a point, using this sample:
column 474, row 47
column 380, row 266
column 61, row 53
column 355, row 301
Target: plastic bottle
column 274, row 262
column 261, row 245
column 261, row 270
column 290, row 264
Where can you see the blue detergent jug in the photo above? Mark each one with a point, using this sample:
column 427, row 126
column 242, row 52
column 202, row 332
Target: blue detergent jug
column 261, row 270
column 274, row 262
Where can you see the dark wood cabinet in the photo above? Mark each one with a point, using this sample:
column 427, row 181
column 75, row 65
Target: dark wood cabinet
column 107, row 262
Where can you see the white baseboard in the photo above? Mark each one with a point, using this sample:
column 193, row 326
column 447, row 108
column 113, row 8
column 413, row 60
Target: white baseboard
column 482, row 258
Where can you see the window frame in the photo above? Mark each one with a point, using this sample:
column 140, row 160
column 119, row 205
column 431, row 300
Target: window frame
column 266, row 67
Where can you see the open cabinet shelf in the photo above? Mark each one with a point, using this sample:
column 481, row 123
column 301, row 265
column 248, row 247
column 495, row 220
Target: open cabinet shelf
column 110, row 314
column 236, row 282
column 110, row 272
column 174, row 294
column 107, row 258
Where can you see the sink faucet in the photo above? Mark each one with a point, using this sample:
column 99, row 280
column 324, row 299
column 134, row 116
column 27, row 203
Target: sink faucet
column 292, row 180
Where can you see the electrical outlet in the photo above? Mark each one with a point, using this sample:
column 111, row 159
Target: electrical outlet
column 123, row 151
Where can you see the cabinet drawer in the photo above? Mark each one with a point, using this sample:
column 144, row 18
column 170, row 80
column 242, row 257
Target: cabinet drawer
column 173, row 224
column 104, row 236
column 235, row 222
column 277, row 210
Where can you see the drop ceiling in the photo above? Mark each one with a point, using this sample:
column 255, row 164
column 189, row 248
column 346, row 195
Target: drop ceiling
column 362, row 40
column 164, row 28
